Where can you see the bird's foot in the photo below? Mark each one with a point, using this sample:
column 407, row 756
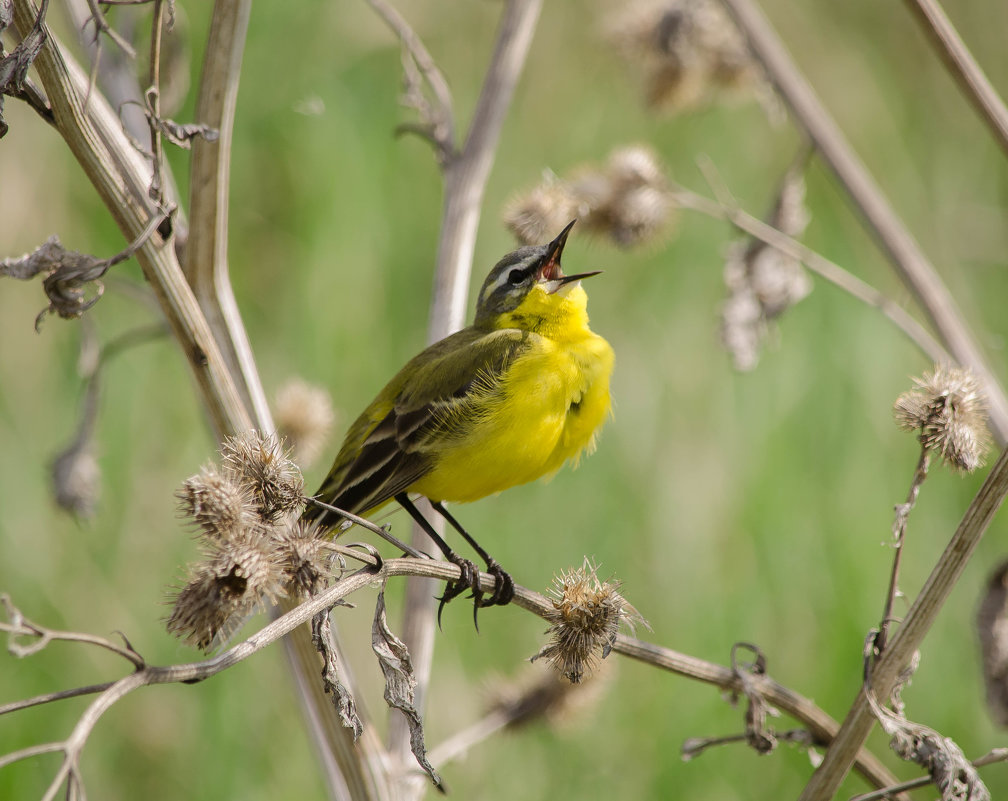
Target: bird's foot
column 503, row 586
column 469, row 580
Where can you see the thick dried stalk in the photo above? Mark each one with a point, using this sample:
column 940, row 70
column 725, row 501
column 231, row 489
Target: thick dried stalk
column 121, row 176
column 964, row 68
column 859, row 721
column 206, row 264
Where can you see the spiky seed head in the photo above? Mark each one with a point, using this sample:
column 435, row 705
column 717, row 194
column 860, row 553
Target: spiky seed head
column 763, row 282
column 237, row 580
column 264, row 465
column 688, row 51
column 948, row 410
column 304, row 417
column 217, row 504
column 628, row 200
column 537, row 215
column 584, row 621
column 304, row 556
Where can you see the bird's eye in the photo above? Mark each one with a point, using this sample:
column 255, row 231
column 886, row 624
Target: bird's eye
column 515, row 277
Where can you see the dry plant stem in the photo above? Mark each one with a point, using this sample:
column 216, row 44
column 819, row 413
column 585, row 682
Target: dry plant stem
column 439, row 123
column 819, row 265
column 376, row 571
column 996, row 755
column 896, row 241
column 859, row 721
column 899, row 533
column 821, row 726
column 205, row 262
column 154, row 102
column 963, row 66
column 459, row 744
column 465, row 179
column 351, row 771
column 121, row 177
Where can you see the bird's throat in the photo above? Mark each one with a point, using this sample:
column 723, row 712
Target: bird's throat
column 561, row 315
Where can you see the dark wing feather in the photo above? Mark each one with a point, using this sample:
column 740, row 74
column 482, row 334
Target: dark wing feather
column 425, row 402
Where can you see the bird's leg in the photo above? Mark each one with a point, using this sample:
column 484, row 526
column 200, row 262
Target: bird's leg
column 504, row 584
column 469, row 580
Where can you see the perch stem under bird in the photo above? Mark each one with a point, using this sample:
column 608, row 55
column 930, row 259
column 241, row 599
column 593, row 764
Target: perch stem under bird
column 505, row 401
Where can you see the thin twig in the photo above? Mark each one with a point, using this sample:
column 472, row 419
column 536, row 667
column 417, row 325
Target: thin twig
column 153, row 98
column 819, row 265
column 20, row 626
column 899, row 533
column 102, row 26
column 437, row 120
column 48, row 698
column 897, row 243
column 964, row 68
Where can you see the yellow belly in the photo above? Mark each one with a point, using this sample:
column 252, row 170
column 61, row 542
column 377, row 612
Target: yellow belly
column 545, row 411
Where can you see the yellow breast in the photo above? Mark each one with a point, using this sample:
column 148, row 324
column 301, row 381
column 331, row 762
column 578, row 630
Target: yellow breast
column 545, row 410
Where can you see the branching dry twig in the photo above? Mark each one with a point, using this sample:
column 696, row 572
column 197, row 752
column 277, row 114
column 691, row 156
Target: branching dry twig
column 437, row 118
column 820, row 725
column 899, row 533
column 819, row 265
column 913, row 267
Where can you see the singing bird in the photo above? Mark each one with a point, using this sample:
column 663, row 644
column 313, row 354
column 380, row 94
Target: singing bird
column 507, row 400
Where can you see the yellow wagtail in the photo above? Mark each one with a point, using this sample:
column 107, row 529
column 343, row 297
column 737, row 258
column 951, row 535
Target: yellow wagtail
column 500, row 403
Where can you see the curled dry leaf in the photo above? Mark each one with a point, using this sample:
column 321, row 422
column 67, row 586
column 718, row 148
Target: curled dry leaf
column 345, row 705
column 397, row 667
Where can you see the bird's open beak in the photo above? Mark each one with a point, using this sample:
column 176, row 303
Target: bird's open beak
column 550, row 272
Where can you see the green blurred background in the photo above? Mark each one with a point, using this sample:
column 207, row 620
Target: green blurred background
column 732, row 507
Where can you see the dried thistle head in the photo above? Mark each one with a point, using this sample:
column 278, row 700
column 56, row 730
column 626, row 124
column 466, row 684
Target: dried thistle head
column 688, row 51
column 948, row 410
column 304, row 417
column 992, row 626
column 238, row 578
column 584, row 621
column 304, row 558
column 534, row 217
column 763, row 282
column 217, row 504
column 639, row 206
column 628, row 200
column 264, row 466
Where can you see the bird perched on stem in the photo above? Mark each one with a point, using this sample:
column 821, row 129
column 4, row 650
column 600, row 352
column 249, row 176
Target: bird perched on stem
column 505, row 401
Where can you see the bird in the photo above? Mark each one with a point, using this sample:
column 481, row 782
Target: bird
column 502, row 402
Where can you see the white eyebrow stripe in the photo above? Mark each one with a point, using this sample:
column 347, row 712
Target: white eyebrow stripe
column 505, row 274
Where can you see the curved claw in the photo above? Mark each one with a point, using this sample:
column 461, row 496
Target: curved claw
column 503, row 585
column 468, row 580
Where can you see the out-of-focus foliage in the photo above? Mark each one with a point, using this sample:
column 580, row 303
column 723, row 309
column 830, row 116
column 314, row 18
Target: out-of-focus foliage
column 730, row 506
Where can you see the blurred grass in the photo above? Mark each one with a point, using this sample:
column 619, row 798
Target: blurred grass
column 733, row 507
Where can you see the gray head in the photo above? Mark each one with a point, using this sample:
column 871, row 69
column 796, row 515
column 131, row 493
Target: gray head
column 514, row 276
